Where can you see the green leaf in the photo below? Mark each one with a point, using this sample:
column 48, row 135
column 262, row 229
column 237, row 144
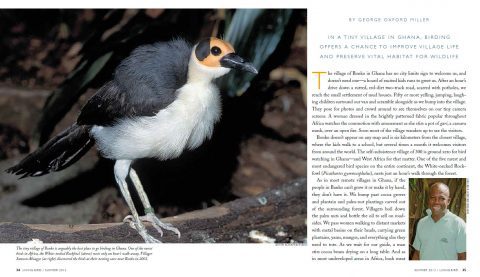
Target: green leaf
column 94, row 69
column 255, row 35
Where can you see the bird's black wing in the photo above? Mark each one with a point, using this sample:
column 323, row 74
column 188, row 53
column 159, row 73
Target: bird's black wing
column 144, row 83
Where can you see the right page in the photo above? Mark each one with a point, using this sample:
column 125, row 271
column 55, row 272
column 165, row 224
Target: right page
column 393, row 135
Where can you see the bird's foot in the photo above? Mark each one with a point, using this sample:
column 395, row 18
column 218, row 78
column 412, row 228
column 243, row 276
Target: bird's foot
column 153, row 219
column 140, row 228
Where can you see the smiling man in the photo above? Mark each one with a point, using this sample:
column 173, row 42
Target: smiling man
column 441, row 234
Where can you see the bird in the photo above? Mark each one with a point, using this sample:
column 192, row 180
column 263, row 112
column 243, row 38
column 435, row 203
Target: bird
column 160, row 102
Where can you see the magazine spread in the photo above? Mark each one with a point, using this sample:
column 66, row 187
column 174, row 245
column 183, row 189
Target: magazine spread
column 294, row 138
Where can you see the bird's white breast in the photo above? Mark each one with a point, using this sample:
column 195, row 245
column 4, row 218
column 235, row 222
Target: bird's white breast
column 184, row 124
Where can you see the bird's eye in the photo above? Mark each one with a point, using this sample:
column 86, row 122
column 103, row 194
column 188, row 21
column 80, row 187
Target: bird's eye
column 215, row 51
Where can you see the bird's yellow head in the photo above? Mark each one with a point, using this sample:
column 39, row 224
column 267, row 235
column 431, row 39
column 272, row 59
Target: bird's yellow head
column 214, row 52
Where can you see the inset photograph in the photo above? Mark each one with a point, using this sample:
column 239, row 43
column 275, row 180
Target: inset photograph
column 437, row 218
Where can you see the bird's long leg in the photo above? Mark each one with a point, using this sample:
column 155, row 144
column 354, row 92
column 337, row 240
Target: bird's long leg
column 121, row 169
column 149, row 213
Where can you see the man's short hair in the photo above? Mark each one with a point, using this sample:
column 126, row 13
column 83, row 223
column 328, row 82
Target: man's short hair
column 440, row 185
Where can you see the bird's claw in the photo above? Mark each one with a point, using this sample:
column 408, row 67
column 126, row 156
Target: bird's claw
column 140, row 228
column 148, row 238
column 158, row 225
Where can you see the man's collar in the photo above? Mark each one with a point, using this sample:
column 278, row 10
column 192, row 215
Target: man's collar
column 444, row 217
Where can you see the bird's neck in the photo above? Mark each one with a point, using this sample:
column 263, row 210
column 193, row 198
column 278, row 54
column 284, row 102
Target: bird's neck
column 198, row 73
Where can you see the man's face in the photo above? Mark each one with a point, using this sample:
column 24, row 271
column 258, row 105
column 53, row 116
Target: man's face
column 439, row 200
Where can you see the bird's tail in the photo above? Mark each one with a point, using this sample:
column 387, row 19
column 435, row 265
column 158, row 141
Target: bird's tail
column 57, row 154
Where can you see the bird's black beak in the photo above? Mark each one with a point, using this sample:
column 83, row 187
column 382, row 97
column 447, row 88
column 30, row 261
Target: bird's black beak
column 233, row 60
